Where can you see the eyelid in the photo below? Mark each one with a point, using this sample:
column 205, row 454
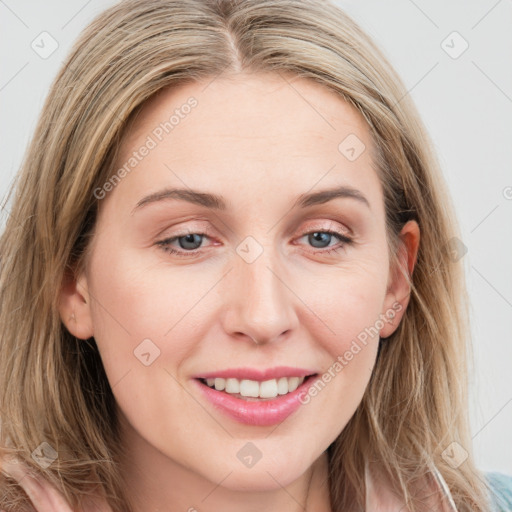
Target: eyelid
column 177, row 231
column 311, row 225
column 331, row 226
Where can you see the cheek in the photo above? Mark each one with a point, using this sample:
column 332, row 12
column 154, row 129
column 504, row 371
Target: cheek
column 137, row 309
column 149, row 319
column 144, row 329
column 350, row 302
column 348, row 318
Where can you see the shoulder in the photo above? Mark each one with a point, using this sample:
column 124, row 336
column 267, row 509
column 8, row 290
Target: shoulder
column 500, row 486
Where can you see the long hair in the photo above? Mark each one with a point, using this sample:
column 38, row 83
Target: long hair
column 53, row 387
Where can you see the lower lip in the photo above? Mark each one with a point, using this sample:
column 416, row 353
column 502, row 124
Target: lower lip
column 258, row 413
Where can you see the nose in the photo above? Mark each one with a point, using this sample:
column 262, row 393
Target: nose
column 259, row 305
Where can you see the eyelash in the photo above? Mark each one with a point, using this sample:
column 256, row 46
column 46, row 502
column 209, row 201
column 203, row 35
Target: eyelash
column 165, row 244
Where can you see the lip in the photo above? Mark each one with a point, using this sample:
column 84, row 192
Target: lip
column 257, row 413
column 256, row 374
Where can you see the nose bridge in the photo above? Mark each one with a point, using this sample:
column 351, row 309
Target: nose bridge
column 260, row 304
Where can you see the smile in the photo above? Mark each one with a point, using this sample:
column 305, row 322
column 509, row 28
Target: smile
column 257, row 403
column 247, row 388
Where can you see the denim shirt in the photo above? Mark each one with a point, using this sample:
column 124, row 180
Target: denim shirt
column 501, row 491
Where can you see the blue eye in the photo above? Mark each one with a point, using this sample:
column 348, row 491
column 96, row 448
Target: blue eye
column 190, row 242
column 185, row 241
column 325, row 235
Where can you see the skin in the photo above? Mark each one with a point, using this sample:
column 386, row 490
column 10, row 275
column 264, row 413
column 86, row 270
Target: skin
column 259, row 141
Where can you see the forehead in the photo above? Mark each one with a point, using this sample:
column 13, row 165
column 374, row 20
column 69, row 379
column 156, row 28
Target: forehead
column 253, row 106
column 253, row 132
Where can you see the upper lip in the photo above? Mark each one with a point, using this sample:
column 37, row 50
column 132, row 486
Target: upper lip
column 257, row 374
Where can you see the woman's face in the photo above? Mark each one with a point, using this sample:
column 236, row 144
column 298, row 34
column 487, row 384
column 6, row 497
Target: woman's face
column 248, row 266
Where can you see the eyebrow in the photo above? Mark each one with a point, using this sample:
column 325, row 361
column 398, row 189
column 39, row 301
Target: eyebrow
column 216, row 202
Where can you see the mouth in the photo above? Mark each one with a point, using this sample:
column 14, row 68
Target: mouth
column 256, row 391
column 260, row 409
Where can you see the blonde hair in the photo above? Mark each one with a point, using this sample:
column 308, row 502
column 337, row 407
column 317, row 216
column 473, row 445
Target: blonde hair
column 53, row 386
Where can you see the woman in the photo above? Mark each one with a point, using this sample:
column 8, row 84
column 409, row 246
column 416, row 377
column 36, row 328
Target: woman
column 255, row 368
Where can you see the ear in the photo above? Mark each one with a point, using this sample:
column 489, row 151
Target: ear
column 75, row 305
column 399, row 290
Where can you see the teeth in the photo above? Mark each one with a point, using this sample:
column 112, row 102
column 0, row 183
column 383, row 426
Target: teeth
column 268, row 389
column 293, row 383
column 256, row 389
column 220, row 384
column 249, row 388
column 232, row 386
column 282, row 386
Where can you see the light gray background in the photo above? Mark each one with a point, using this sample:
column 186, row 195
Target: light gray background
column 466, row 104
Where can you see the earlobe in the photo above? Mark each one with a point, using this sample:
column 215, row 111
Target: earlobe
column 75, row 306
column 399, row 288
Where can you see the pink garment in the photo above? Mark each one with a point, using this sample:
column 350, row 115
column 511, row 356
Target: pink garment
column 44, row 497
column 379, row 498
